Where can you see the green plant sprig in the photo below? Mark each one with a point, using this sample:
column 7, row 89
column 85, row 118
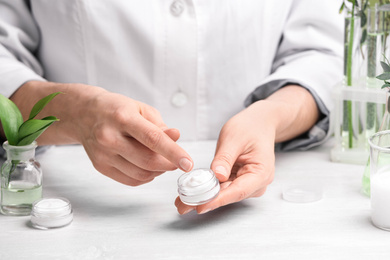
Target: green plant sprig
column 360, row 11
column 385, row 76
column 19, row 133
column 343, row 5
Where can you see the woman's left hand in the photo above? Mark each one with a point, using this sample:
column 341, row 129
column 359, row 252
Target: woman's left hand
column 244, row 159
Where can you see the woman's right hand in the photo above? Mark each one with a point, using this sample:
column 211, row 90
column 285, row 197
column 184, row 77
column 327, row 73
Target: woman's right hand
column 125, row 139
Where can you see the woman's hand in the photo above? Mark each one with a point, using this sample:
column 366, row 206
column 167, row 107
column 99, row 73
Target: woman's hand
column 126, row 140
column 243, row 162
column 244, row 158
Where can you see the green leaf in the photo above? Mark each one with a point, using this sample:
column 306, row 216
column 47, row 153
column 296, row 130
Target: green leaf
column 386, row 85
column 30, row 138
column 384, row 76
column 364, row 36
column 354, row 2
column 33, row 125
column 341, row 7
column 363, row 19
column 385, row 67
column 31, row 129
column 11, row 119
column 365, row 5
column 41, row 104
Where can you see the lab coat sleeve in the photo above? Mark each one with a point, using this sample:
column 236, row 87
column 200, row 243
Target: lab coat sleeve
column 19, row 39
column 309, row 55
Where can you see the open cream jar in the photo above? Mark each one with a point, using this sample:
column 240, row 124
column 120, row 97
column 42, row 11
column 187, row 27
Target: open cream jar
column 198, row 187
column 50, row 213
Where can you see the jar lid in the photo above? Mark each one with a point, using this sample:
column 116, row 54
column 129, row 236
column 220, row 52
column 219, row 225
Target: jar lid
column 50, row 213
column 302, row 193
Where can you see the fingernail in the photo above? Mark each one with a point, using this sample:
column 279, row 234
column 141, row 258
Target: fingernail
column 221, row 170
column 185, row 164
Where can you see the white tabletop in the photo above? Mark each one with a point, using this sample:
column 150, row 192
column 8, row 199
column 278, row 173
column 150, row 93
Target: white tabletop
column 113, row 221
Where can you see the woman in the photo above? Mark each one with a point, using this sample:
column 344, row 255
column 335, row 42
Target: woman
column 137, row 75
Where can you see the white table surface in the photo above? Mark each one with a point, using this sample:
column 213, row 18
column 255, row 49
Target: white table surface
column 114, row 221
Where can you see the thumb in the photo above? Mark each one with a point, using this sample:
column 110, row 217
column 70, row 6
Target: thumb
column 224, row 159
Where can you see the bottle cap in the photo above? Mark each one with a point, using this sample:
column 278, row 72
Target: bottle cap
column 50, row 213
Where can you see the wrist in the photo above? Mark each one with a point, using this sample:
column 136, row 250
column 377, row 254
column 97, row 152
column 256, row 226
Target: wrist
column 291, row 111
column 267, row 113
column 67, row 107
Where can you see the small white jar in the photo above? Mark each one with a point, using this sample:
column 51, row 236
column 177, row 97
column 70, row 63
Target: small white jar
column 48, row 213
column 198, row 187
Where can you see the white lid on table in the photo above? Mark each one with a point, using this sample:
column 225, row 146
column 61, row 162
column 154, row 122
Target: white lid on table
column 302, row 193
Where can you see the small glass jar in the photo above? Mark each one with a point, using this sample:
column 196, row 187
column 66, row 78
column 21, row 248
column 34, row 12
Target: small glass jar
column 51, row 213
column 21, row 180
column 198, row 187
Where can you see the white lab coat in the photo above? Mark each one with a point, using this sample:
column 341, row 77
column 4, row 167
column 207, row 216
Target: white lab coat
column 196, row 61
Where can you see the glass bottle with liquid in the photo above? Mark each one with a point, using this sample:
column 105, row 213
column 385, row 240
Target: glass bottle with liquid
column 385, row 125
column 21, row 180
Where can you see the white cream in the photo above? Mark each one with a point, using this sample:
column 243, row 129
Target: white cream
column 198, row 187
column 51, row 213
column 380, row 198
column 197, row 178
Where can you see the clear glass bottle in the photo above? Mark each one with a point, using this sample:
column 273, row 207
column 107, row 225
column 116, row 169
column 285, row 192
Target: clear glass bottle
column 378, row 44
column 353, row 74
column 377, row 49
column 385, row 125
column 21, row 180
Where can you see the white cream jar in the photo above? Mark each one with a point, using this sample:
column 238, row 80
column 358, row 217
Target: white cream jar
column 50, row 213
column 198, row 187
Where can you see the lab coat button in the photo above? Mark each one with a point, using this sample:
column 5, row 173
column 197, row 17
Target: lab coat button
column 179, row 99
column 177, row 7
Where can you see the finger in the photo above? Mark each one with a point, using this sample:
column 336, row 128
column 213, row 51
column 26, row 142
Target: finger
column 151, row 114
column 156, row 140
column 225, row 156
column 110, row 141
column 143, row 157
column 119, row 176
column 183, row 208
column 173, row 133
column 224, row 185
column 241, row 188
column 104, row 162
column 133, row 171
column 154, row 116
